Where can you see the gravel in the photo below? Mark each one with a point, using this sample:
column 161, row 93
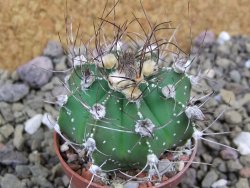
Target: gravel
column 27, row 158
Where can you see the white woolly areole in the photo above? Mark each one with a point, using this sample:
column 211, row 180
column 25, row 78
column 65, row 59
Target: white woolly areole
column 90, row 146
column 61, row 100
column 197, row 134
column 152, row 159
column 144, row 127
column 79, row 60
column 108, row 61
column 194, row 113
column 87, row 81
column 98, row 111
column 118, row 81
column 168, row 91
column 149, row 67
column 94, row 169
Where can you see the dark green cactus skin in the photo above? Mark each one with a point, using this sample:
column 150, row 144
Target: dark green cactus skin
column 127, row 149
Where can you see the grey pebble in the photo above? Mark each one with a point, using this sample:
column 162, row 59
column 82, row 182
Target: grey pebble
column 53, row 49
column 210, row 177
column 11, row 181
column 13, row 92
column 36, row 72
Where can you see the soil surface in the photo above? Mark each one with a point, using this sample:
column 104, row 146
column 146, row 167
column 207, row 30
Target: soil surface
column 26, row 26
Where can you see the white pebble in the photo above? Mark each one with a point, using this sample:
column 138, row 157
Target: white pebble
column 48, row 120
column 247, row 64
column 33, row 124
column 242, row 140
column 223, row 37
column 219, row 183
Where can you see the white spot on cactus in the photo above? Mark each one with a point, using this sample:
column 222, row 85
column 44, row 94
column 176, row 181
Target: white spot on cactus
column 113, row 149
column 90, row 146
column 174, row 134
column 144, row 127
column 98, row 111
column 178, row 121
column 194, row 113
column 108, row 61
column 140, row 115
column 129, row 151
column 72, row 120
column 104, row 141
column 168, row 91
column 164, row 143
column 74, row 128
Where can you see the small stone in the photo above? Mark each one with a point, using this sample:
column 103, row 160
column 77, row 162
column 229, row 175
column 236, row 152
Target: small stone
column 242, row 140
column 245, row 160
column 37, row 72
column 205, row 38
column 13, row 92
column 48, row 120
column 210, row 177
column 227, row 96
column 243, row 182
column 223, row 37
column 245, row 172
column 33, row 124
column 53, row 49
column 12, row 157
column 41, row 182
column 35, row 157
column 164, row 166
column 228, row 154
column 247, row 64
column 6, row 130
column 219, row 183
column 223, row 62
column 190, row 178
column 5, row 110
column 18, row 140
column 22, row 171
column 11, row 181
column 233, row 165
column 233, row 117
column 131, row 185
column 65, row 180
column 39, row 170
column 235, row 76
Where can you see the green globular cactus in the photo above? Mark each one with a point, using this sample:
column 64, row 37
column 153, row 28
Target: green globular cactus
column 125, row 104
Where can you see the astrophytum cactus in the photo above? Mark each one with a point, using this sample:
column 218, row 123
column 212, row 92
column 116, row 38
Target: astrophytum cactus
column 126, row 105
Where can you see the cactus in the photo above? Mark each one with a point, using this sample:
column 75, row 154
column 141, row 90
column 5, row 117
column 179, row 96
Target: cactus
column 126, row 104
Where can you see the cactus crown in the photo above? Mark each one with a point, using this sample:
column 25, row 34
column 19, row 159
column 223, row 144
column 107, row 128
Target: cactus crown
column 126, row 101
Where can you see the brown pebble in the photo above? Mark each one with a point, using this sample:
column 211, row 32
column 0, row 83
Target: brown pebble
column 74, row 167
column 245, row 172
column 143, row 185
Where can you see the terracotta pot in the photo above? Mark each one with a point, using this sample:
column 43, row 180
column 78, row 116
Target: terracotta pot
column 78, row 181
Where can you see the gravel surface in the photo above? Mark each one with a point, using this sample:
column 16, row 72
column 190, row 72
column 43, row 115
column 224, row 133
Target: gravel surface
column 27, row 158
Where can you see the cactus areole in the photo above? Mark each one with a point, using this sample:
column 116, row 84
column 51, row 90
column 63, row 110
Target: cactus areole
column 125, row 105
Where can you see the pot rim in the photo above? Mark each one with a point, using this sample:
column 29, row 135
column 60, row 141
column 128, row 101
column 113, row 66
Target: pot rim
column 162, row 184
